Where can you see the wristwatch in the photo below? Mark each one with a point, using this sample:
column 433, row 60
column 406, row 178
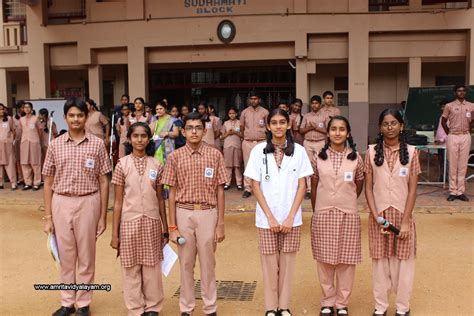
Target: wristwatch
column 166, row 235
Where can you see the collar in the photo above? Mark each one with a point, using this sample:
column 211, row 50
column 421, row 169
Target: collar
column 392, row 149
column 459, row 102
column 68, row 138
column 256, row 109
column 191, row 151
column 338, row 152
column 139, row 158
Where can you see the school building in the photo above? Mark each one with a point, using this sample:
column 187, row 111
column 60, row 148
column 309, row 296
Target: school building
column 367, row 51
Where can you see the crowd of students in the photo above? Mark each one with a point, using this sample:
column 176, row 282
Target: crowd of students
column 287, row 157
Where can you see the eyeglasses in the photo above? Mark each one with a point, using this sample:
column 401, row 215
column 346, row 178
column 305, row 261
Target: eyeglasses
column 192, row 128
column 391, row 124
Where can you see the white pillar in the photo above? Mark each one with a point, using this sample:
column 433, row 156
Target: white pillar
column 414, row 72
column 137, row 72
column 95, row 83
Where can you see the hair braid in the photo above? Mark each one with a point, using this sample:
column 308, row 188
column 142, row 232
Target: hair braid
column 290, row 143
column 353, row 154
column 404, row 156
column 379, row 158
column 322, row 153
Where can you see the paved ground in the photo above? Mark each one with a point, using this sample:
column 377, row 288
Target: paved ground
column 444, row 282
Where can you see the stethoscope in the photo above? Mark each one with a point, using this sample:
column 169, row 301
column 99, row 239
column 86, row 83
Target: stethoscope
column 265, row 162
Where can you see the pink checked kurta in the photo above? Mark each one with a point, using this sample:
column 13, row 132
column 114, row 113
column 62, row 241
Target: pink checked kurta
column 30, row 148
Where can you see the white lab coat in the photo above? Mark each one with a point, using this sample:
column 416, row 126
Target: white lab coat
column 280, row 190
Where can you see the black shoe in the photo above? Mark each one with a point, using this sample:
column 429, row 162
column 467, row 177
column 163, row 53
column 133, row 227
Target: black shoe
column 406, row 314
column 20, row 182
column 1, row 187
column 240, row 188
column 342, row 309
column 451, row 198
column 307, row 195
column 185, row 314
column 246, row 194
column 26, row 187
column 272, row 313
column 83, row 311
column 212, row 314
column 151, row 314
column 463, row 197
column 384, row 313
column 64, row 311
column 226, row 187
column 284, row 312
column 330, row 313
column 14, row 187
column 35, row 188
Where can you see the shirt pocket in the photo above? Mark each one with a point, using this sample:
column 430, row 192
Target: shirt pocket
column 89, row 163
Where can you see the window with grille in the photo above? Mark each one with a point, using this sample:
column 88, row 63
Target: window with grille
column 13, row 10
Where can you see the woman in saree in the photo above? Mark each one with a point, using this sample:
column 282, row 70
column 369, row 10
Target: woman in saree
column 164, row 133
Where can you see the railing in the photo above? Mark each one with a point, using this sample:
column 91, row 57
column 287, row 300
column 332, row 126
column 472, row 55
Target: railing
column 14, row 34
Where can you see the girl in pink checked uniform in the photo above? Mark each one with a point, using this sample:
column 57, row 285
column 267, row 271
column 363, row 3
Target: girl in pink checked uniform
column 392, row 168
column 138, row 222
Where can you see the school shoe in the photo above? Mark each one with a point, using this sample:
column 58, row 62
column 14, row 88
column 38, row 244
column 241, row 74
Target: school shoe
column 451, row 198
column 35, row 188
column 26, row 187
column 212, row 314
column 185, row 314
column 285, row 312
column 226, row 187
column 83, row 311
column 375, row 314
column 272, row 313
column 64, row 311
column 151, row 314
column 463, row 197
column 240, row 188
column 21, row 182
column 342, row 311
column 14, row 187
column 406, row 314
column 327, row 311
column 307, row 195
column 246, row 194
column 1, row 187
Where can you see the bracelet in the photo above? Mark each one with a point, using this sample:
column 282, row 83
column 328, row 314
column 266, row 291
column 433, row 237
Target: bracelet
column 172, row 228
column 46, row 217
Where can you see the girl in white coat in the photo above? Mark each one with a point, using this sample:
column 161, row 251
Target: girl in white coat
column 278, row 168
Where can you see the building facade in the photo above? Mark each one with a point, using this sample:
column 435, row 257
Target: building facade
column 369, row 52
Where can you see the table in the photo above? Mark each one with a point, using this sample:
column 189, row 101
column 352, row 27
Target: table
column 427, row 148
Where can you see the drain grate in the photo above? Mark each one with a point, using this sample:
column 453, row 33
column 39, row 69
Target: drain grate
column 227, row 290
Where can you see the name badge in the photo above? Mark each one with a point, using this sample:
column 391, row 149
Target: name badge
column 348, row 176
column 208, row 125
column 468, row 114
column 209, row 173
column 153, row 174
column 156, row 137
column 133, row 120
column 261, row 122
column 90, row 163
column 403, row 172
column 5, row 125
column 32, row 125
column 237, row 129
column 321, row 125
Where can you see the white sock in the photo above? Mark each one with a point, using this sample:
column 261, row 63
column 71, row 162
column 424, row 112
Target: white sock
column 342, row 312
column 326, row 311
column 379, row 312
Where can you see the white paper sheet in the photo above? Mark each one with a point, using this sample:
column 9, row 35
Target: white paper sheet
column 169, row 259
column 52, row 246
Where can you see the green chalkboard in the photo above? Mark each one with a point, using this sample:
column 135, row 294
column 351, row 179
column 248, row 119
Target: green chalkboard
column 422, row 110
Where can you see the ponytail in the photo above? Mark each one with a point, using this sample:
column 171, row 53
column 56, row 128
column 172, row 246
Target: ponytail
column 323, row 152
column 353, row 154
column 290, row 143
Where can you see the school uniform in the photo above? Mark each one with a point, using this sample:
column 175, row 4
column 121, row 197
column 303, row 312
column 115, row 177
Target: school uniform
column 7, row 156
column 458, row 144
column 76, row 168
column 254, row 121
column 393, row 259
column 232, row 151
column 335, row 225
column 96, row 123
column 196, row 175
column 45, row 136
column 218, row 123
column 16, row 148
column 211, row 127
column 141, row 240
column 279, row 187
column 30, row 150
column 138, row 118
column 331, row 111
column 314, row 140
column 296, row 120
column 123, row 129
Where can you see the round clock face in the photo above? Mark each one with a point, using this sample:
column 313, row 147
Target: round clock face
column 226, row 31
